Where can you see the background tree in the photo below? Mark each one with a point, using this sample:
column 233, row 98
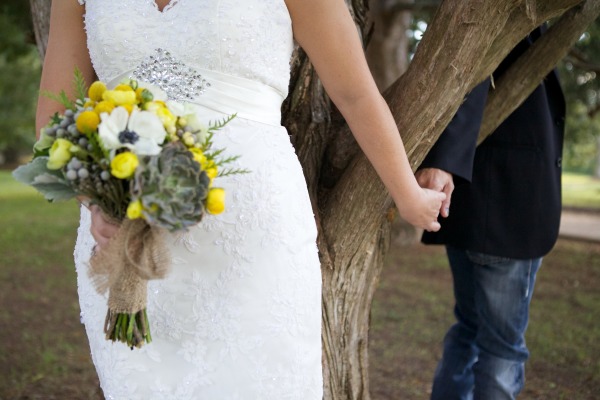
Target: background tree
column 579, row 72
column 464, row 42
column 19, row 81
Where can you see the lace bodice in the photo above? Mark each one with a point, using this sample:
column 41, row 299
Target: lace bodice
column 245, row 38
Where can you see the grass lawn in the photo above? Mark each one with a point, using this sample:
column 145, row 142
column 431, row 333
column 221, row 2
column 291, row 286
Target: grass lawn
column 44, row 352
column 581, row 191
column 412, row 310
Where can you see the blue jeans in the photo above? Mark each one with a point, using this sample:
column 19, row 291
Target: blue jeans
column 484, row 352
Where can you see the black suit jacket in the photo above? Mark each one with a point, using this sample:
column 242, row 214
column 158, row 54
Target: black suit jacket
column 512, row 206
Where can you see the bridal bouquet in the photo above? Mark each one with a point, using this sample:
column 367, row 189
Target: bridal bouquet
column 149, row 165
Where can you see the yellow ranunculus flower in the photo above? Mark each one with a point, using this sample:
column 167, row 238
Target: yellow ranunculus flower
column 120, row 97
column 96, row 91
column 60, row 153
column 138, row 94
column 87, row 122
column 212, row 172
column 215, row 201
column 166, row 117
column 123, row 165
column 198, row 155
column 134, row 210
column 124, row 87
column 104, row 106
column 151, row 106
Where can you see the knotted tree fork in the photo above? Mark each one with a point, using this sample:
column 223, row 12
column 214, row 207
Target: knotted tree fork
column 463, row 44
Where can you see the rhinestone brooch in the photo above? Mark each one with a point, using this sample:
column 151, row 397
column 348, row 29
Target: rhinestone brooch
column 180, row 82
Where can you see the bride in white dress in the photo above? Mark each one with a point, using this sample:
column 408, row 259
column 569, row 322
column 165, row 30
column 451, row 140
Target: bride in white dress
column 239, row 315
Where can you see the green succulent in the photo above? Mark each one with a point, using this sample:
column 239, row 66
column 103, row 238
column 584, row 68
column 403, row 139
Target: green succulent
column 172, row 188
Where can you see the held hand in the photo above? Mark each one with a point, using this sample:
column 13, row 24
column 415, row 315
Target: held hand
column 440, row 180
column 422, row 210
column 102, row 229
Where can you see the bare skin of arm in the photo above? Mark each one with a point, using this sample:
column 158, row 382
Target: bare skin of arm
column 66, row 51
column 325, row 30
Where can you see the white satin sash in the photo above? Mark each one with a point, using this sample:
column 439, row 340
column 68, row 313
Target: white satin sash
column 230, row 94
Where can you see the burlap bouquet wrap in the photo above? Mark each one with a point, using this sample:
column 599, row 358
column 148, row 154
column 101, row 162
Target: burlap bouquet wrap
column 136, row 254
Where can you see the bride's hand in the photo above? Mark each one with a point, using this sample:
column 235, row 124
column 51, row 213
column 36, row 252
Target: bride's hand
column 102, row 229
column 422, row 210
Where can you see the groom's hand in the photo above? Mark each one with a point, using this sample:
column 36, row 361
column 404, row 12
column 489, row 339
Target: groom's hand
column 440, row 180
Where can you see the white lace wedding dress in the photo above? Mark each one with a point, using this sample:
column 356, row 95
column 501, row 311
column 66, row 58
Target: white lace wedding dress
column 239, row 315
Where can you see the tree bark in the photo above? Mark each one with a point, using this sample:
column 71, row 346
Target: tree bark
column 511, row 91
column 352, row 208
column 387, row 50
column 40, row 14
column 447, row 65
column 459, row 31
column 597, row 167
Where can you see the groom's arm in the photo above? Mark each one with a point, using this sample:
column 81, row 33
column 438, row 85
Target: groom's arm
column 454, row 150
column 450, row 160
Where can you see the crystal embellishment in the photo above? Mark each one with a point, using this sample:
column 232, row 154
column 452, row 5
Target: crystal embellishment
column 178, row 80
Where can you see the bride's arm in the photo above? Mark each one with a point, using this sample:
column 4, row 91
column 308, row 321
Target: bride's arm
column 67, row 49
column 325, row 30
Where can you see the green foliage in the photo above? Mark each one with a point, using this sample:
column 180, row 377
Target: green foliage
column 579, row 69
column 581, row 139
column 19, row 81
column 51, row 183
column 582, row 91
column 79, row 87
column 16, row 31
column 61, row 98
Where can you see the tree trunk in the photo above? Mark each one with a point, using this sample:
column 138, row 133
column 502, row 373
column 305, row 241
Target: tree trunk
column 447, row 65
column 597, row 166
column 40, row 14
column 352, row 207
column 387, row 50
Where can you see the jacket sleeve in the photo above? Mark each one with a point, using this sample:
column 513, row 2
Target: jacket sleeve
column 454, row 150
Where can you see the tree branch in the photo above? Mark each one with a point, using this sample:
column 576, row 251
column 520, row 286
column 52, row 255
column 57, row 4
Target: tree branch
column 520, row 25
column 521, row 79
column 580, row 60
column 417, row 5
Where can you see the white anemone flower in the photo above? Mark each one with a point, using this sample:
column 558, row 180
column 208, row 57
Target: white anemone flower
column 142, row 132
